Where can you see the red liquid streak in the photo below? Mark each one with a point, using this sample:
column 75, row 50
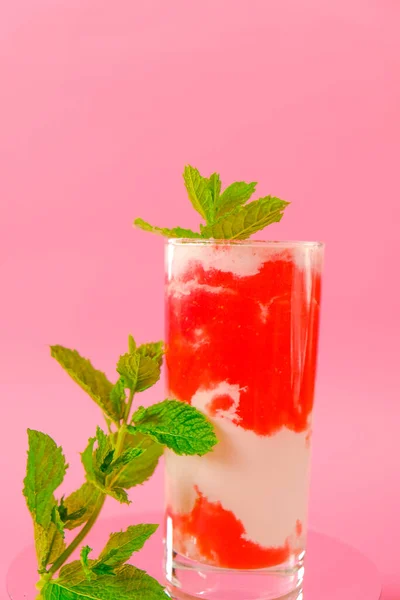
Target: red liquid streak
column 219, row 538
column 299, row 528
column 218, row 403
column 259, row 332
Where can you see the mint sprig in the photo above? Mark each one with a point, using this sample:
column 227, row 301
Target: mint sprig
column 175, row 232
column 128, row 583
column 226, row 215
column 115, row 460
column 177, row 425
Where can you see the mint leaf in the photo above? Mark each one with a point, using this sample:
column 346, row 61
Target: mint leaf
column 129, row 583
column 89, row 464
column 153, row 350
column 139, row 372
column 246, row 220
column 199, row 192
column 149, row 373
column 177, row 425
column 125, row 458
column 86, row 550
column 139, row 469
column 176, row 232
column 118, row 397
column 94, row 460
column 128, row 367
column 123, row 544
column 92, row 381
column 214, row 183
column 131, row 344
column 56, row 520
column 105, row 467
column 72, row 572
column 118, row 494
column 234, row 195
column 49, row 544
column 105, row 451
column 78, row 507
column 103, row 570
column 45, row 471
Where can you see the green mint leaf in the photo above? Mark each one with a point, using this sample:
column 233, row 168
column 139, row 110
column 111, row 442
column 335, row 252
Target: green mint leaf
column 176, row 232
column 72, row 573
column 92, row 381
column 56, row 519
column 94, row 460
column 125, row 458
column 153, row 350
column 241, row 223
column 139, row 469
column 199, row 192
column 234, row 195
column 65, row 516
column 78, row 507
column 49, row 544
column 118, row 397
column 46, row 468
column 45, row 471
column 105, row 450
column 56, row 545
column 103, row 570
column 89, row 464
column 128, row 367
column 149, row 373
column 118, row 494
column 139, row 372
column 131, row 344
column 129, row 583
column 105, row 467
column 123, row 544
column 49, row 541
column 215, row 187
column 177, row 425
column 86, row 550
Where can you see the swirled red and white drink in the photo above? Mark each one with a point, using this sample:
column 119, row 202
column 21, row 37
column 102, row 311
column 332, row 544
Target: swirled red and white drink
column 242, row 329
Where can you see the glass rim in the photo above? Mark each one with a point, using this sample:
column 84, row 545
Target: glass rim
column 250, row 243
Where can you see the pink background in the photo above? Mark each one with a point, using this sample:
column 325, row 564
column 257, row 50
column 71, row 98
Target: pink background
column 102, row 103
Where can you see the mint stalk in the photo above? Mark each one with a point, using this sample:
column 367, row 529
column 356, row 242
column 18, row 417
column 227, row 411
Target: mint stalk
column 114, row 461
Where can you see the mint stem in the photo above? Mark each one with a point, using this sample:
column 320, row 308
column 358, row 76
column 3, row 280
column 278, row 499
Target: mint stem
column 100, row 503
column 128, row 407
column 122, row 432
column 78, row 539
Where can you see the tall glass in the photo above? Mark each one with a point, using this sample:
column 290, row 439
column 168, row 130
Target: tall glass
column 242, row 331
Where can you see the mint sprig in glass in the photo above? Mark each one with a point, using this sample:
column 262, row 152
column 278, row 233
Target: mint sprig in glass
column 242, row 320
column 227, row 214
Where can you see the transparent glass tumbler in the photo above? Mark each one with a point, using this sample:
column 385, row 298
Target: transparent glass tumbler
column 242, row 329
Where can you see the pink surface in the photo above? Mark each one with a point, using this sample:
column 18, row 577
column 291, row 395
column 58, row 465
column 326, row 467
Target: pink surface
column 333, row 568
column 102, row 104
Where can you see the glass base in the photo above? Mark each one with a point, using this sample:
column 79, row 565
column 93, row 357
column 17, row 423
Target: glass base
column 188, row 580
column 333, row 570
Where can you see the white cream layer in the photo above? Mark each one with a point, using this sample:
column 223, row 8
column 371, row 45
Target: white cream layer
column 263, row 480
column 240, row 260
